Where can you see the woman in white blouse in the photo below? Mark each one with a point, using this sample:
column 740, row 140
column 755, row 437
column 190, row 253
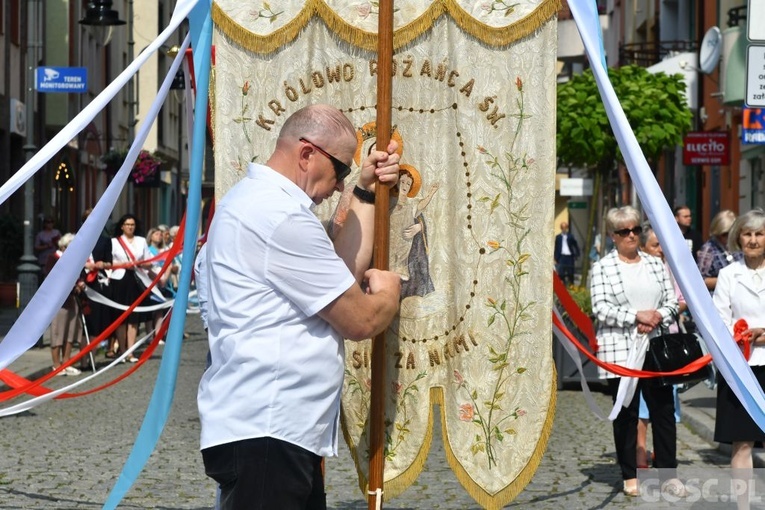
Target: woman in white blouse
column 740, row 294
column 128, row 284
column 632, row 295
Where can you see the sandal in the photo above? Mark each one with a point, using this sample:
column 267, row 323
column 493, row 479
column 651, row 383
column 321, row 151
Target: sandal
column 632, row 491
column 110, row 354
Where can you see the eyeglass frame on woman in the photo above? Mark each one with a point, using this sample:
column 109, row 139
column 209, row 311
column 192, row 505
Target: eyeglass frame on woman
column 341, row 169
column 624, row 232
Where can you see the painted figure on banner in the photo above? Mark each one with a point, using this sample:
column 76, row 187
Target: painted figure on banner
column 409, row 236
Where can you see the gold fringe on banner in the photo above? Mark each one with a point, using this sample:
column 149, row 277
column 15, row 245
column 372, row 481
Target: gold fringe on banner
column 396, row 486
column 491, row 36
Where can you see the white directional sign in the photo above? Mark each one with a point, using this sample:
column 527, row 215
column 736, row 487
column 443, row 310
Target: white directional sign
column 755, row 77
column 755, row 17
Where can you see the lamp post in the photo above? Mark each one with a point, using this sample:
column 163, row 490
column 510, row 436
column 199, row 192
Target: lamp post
column 28, row 269
column 179, row 83
column 101, row 19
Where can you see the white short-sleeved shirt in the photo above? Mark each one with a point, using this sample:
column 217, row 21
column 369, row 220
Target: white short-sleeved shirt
column 277, row 367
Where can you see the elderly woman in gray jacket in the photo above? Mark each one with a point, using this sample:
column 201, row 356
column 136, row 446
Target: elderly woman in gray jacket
column 632, row 295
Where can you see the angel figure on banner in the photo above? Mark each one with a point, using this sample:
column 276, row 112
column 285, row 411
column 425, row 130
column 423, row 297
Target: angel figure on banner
column 409, row 236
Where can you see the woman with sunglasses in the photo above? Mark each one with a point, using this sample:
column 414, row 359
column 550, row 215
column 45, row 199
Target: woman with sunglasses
column 632, row 295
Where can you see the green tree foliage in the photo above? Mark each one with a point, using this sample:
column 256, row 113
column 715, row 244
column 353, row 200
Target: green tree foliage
column 655, row 106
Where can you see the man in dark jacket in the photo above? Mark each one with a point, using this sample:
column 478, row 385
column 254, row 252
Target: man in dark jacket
column 566, row 253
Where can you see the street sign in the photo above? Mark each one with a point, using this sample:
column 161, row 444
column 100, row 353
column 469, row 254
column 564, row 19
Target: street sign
column 755, row 30
column 62, row 79
column 577, row 205
column 753, row 126
column 576, row 187
column 755, row 77
column 706, row 148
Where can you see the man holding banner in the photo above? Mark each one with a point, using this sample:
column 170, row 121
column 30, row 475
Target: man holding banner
column 281, row 299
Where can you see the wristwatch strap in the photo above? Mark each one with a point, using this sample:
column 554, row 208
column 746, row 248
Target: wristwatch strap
column 364, row 195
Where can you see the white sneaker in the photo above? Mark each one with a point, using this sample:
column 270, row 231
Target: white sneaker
column 72, row 371
column 63, row 372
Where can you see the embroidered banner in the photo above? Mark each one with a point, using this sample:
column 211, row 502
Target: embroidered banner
column 474, row 114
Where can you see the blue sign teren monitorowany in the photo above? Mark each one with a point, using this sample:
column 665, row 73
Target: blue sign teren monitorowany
column 62, row 79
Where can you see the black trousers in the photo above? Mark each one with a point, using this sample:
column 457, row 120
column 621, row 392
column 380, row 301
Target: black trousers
column 566, row 268
column 266, row 474
column 661, row 409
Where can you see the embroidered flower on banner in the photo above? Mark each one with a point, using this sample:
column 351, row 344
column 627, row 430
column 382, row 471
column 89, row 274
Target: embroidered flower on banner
column 484, row 403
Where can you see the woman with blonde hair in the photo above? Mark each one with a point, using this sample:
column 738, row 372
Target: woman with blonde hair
column 714, row 254
column 632, row 295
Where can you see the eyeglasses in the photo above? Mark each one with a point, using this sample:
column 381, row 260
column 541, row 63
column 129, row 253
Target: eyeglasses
column 341, row 169
column 626, row 231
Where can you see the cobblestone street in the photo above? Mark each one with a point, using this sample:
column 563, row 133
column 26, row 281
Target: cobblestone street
column 68, row 453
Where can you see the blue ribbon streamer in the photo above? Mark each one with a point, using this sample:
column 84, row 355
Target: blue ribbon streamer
column 200, row 25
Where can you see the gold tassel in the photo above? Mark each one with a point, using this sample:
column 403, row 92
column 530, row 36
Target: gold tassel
column 491, row 36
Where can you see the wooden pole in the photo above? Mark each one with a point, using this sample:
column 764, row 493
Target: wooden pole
column 381, row 248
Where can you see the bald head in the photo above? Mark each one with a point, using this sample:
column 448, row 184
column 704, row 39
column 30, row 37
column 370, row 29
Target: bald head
column 320, row 123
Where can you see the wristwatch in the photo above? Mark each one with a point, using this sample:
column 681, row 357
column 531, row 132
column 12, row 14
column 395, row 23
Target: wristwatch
column 364, row 195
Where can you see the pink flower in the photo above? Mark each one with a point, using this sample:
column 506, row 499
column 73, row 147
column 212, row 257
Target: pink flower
column 519, row 83
column 466, row 412
column 245, row 88
column 486, row 6
column 521, row 412
column 396, row 387
column 363, row 10
column 482, row 149
column 368, row 383
column 458, row 378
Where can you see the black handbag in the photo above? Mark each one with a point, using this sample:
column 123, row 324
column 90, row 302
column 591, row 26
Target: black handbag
column 672, row 351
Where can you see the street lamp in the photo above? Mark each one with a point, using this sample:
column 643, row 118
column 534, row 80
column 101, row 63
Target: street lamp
column 102, row 19
column 178, row 84
column 28, row 269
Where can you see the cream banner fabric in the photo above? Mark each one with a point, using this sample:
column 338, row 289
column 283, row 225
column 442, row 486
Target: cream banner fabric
column 471, row 225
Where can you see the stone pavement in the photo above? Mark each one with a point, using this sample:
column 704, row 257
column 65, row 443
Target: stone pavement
column 577, row 471
column 697, row 404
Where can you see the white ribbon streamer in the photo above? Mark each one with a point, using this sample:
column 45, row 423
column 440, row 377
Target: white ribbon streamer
column 97, row 297
column 34, row 402
column 628, row 385
column 39, row 313
column 727, row 356
column 573, row 352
